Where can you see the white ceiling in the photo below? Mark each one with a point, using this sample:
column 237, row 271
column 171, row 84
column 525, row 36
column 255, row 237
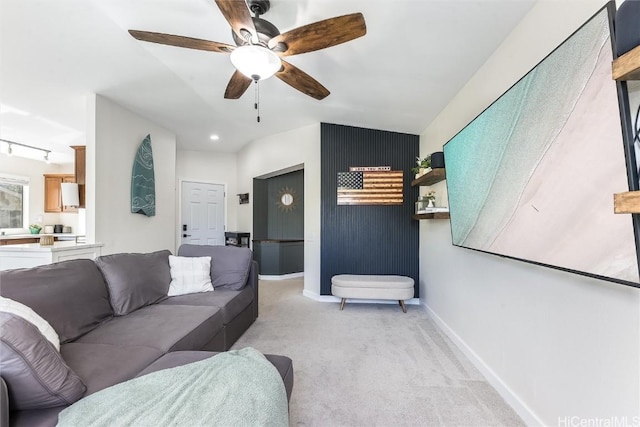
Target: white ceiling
column 415, row 56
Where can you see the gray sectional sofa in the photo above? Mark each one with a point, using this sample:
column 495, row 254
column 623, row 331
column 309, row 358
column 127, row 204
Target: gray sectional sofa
column 115, row 322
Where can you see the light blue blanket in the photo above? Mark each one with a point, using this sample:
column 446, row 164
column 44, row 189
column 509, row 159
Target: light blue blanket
column 235, row 388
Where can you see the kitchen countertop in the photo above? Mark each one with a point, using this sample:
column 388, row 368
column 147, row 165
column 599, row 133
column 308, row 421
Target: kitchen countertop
column 35, row 236
column 57, row 246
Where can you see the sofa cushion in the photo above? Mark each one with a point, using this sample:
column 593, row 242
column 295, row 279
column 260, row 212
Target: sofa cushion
column 230, row 302
column 14, row 307
column 135, row 280
column 229, row 264
column 70, row 295
column 35, row 373
column 103, row 365
column 189, row 275
column 164, row 327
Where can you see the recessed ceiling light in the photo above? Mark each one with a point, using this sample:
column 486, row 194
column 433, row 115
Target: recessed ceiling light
column 214, row 137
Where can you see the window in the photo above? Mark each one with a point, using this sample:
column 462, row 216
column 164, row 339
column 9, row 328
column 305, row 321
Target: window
column 14, row 196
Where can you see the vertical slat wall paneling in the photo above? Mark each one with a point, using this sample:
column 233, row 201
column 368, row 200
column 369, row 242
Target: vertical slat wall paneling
column 260, row 210
column 286, row 222
column 367, row 239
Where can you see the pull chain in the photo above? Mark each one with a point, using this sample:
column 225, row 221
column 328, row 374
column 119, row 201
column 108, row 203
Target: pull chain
column 257, row 99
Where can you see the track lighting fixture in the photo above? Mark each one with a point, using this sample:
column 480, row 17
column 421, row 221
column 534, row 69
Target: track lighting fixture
column 10, row 145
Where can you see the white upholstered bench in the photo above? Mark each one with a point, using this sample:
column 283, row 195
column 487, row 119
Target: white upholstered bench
column 397, row 288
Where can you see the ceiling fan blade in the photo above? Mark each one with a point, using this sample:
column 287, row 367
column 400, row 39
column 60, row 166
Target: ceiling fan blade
column 321, row 34
column 298, row 79
column 237, row 86
column 181, row 41
column 237, row 14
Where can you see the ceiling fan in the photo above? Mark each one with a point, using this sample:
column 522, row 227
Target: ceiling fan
column 260, row 47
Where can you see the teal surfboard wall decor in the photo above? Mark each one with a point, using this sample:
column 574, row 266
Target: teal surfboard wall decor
column 143, row 184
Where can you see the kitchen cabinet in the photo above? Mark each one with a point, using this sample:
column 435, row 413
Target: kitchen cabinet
column 53, row 193
column 80, row 171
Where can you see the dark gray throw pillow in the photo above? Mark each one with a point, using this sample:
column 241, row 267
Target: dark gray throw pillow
column 135, row 280
column 229, row 264
column 35, row 373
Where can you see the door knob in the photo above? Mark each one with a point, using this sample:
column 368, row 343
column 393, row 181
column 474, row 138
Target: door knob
column 186, row 235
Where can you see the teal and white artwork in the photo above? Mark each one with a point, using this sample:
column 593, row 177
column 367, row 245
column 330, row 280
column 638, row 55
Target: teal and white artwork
column 143, row 185
column 533, row 176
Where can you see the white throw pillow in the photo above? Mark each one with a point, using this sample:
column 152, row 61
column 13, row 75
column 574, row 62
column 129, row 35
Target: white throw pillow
column 27, row 313
column 190, row 275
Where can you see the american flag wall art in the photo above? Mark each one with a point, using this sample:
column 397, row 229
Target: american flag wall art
column 370, row 186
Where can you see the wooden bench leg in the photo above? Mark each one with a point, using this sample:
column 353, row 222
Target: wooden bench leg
column 342, row 303
column 404, row 307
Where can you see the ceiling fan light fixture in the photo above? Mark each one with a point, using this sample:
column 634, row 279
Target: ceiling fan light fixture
column 255, row 62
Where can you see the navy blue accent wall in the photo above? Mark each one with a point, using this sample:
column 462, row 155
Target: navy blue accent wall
column 367, row 239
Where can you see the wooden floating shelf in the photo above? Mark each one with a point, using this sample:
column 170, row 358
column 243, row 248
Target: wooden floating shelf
column 432, row 177
column 628, row 202
column 433, row 215
column 627, row 66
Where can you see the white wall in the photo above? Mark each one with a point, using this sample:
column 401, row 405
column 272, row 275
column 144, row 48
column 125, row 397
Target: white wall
column 277, row 152
column 212, row 168
column 113, row 137
column 556, row 345
column 34, row 171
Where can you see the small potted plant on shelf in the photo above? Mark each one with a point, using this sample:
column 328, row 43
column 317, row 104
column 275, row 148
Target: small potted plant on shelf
column 422, row 166
column 34, row 229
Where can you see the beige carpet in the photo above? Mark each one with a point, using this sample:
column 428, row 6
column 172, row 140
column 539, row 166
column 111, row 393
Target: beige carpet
column 371, row 365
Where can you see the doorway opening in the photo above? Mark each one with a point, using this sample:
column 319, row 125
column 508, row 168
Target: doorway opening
column 278, row 223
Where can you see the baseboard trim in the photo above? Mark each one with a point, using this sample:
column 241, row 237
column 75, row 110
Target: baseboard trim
column 331, row 298
column 281, row 277
column 527, row 415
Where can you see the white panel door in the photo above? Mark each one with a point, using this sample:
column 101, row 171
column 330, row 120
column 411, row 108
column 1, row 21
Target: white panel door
column 202, row 213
